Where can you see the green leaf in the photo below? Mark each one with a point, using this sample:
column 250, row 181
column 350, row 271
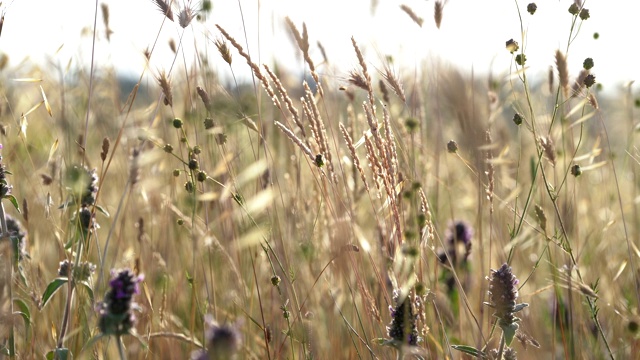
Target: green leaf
column 59, row 354
column 509, row 332
column 520, row 307
column 13, row 201
column 24, row 312
column 470, row 350
column 92, row 341
column 52, row 288
column 102, row 210
column 87, row 287
column 532, row 169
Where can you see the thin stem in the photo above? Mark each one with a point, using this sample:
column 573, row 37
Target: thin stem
column 120, row 348
column 93, row 52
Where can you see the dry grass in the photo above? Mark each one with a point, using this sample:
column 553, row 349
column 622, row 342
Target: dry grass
column 293, row 222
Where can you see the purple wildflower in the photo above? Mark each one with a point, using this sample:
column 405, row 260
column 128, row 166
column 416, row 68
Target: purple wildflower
column 403, row 327
column 116, row 311
column 223, row 341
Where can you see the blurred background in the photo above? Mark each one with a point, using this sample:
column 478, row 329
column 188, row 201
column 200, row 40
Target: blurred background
column 472, row 34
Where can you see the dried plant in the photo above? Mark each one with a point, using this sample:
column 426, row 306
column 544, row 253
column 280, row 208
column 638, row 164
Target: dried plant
column 354, row 155
column 105, row 20
column 365, row 74
column 296, row 140
column 252, row 65
column 287, row 100
column 185, row 16
column 563, row 72
column 416, row 19
column 490, row 172
column 438, row 7
column 393, row 81
column 206, row 100
column 223, row 49
column 303, row 44
column 165, row 85
column 165, row 7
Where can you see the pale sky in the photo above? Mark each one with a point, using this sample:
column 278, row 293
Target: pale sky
column 473, row 34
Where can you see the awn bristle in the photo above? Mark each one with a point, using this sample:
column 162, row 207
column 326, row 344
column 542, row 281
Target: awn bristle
column 165, row 85
column 354, row 155
column 563, row 71
column 416, row 19
column 391, row 78
column 147, row 53
column 305, row 149
column 185, row 16
column 165, row 7
column 287, row 100
column 437, row 12
column 356, row 79
column 252, row 65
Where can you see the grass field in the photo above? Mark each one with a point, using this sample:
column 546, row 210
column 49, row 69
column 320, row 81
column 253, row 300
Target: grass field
column 191, row 213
